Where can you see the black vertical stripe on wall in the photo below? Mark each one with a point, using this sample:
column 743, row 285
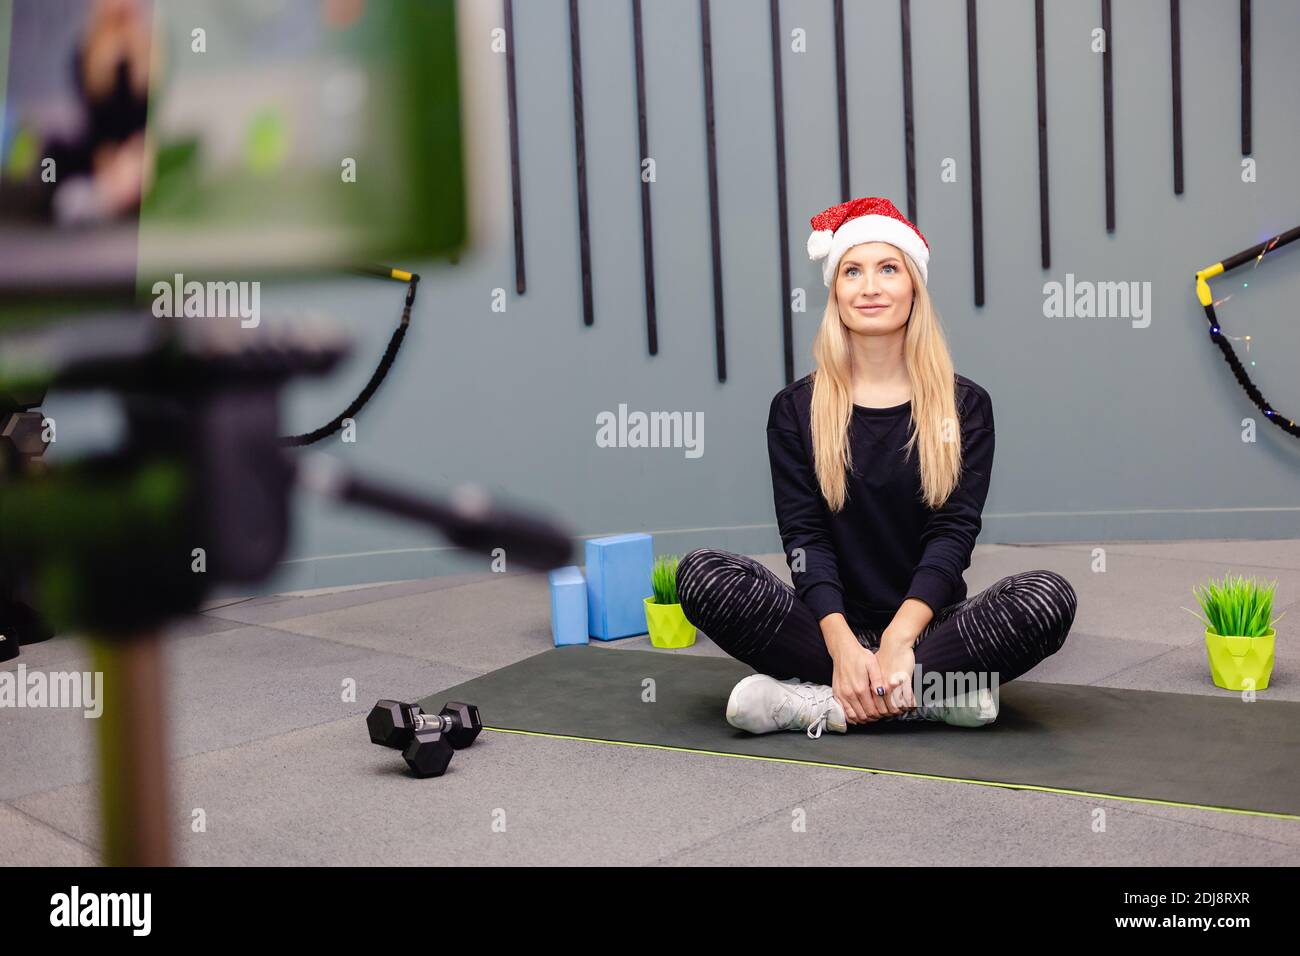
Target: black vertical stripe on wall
column 977, row 197
column 842, row 98
column 1108, row 120
column 1040, row 59
column 909, row 137
column 584, row 235
column 782, row 218
column 714, row 225
column 1245, row 77
column 1176, row 84
column 512, row 109
column 647, row 243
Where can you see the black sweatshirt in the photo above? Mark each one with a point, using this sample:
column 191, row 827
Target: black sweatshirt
column 884, row 545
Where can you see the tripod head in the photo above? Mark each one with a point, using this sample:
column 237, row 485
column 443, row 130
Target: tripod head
column 198, row 493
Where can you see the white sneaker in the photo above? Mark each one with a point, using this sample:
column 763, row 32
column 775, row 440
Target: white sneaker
column 965, row 710
column 761, row 704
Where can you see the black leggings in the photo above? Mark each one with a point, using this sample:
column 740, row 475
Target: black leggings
column 754, row 616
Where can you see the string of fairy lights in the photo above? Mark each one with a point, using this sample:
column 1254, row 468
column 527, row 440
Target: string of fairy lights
column 1245, row 285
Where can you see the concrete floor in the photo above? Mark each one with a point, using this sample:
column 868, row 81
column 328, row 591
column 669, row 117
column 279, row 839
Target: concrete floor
column 266, row 746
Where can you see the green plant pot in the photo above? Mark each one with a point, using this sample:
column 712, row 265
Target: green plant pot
column 668, row 625
column 1237, row 663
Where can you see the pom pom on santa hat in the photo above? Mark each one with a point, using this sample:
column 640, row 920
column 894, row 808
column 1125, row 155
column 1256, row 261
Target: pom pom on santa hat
column 868, row 219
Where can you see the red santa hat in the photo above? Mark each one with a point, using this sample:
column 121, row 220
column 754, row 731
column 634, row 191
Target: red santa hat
column 868, row 219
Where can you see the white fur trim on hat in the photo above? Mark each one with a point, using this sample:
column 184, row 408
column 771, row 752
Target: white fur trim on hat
column 874, row 228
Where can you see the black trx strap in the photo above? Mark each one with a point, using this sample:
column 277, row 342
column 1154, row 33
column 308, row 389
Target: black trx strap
column 1220, row 339
column 390, row 354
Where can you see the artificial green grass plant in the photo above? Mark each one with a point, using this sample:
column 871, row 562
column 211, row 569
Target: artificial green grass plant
column 1236, row 607
column 663, row 578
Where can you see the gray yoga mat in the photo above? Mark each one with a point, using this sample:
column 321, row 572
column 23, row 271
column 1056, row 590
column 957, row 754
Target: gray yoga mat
column 1215, row 752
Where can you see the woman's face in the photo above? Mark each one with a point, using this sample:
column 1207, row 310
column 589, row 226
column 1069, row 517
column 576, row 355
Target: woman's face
column 873, row 289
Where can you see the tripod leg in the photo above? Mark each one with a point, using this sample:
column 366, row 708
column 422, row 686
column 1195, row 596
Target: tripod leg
column 134, row 801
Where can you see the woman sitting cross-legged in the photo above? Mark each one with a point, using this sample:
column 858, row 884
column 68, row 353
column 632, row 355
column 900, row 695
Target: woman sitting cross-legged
column 881, row 460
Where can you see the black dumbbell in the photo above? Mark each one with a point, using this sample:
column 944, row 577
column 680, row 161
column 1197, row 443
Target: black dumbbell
column 427, row 741
column 393, row 723
column 23, row 433
column 428, row 753
column 19, row 625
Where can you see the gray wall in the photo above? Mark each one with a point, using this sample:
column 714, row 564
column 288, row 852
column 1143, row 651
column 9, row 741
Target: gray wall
column 1105, row 431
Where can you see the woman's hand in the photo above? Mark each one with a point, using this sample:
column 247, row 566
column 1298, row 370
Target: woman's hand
column 897, row 661
column 856, row 676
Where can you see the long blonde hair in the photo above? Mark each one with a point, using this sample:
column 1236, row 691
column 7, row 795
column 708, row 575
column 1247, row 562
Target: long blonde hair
column 935, row 426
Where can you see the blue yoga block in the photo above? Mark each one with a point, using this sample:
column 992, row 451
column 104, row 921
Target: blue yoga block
column 618, row 582
column 568, row 606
